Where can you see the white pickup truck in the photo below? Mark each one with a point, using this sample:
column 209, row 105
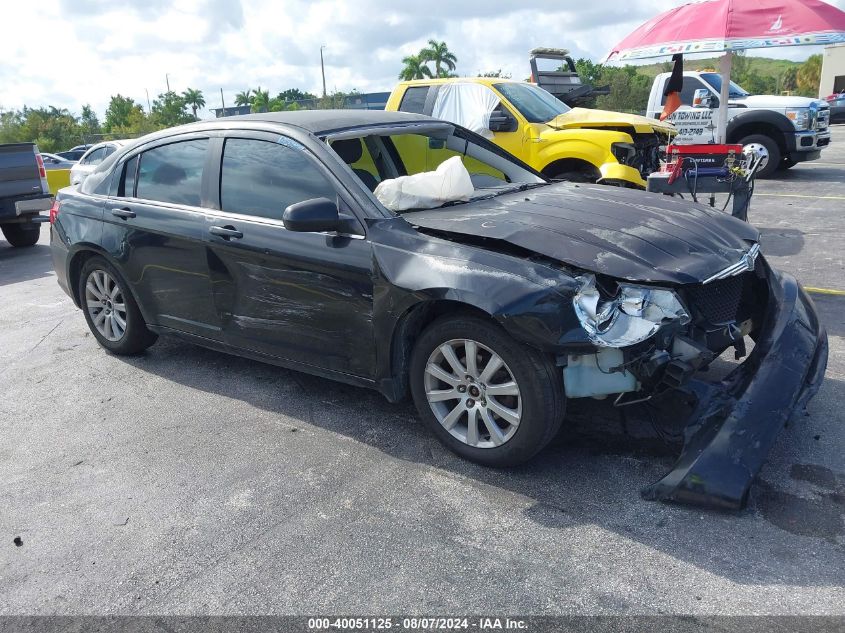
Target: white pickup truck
column 785, row 130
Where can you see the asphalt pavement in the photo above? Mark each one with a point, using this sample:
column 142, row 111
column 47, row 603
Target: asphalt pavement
column 186, row 481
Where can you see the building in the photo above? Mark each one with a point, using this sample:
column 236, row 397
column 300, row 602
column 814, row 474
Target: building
column 833, row 70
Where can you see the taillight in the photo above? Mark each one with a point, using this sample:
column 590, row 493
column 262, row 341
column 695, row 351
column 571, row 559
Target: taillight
column 54, row 211
column 41, row 171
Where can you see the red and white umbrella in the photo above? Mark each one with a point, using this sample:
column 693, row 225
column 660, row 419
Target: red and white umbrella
column 725, row 26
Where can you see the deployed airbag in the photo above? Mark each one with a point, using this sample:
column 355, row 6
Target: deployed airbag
column 450, row 182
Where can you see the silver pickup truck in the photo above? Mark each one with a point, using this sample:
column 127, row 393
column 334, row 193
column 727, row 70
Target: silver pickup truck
column 24, row 193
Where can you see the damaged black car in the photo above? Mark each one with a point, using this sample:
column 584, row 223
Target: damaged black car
column 409, row 255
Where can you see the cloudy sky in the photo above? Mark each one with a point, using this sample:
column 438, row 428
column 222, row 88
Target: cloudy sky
column 70, row 52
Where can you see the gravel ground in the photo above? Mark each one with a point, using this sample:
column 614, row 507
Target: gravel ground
column 190, row 482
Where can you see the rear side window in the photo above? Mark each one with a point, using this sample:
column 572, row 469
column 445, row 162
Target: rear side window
column 414, row 99
column 173, row 173
column 262, row 178
column 96, row 157
column 127, row 187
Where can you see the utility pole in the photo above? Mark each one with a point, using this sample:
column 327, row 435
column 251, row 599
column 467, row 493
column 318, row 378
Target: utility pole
column 167, row 80
column 149, row 107
column 323, row 69
column 223, row 103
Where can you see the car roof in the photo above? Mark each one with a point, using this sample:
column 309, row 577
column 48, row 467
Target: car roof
column 487, row 81
column 318, row 122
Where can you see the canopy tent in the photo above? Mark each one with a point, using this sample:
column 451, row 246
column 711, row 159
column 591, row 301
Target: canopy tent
column 711, row 26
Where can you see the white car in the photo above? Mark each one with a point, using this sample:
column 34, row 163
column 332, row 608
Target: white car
column 93, row 157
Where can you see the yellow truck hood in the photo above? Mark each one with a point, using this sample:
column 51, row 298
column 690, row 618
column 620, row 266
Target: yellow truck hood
column 587, row 118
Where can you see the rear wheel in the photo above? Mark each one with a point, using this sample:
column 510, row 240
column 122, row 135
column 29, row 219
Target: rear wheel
column 767, row 148
column 110, row 309
column 22, row 235
column 486, row 397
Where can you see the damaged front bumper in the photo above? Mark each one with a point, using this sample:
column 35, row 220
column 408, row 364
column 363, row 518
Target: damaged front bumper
column 736, row 421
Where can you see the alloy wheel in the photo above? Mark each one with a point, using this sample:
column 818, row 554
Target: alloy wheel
column 105, row 304
column 473, row 393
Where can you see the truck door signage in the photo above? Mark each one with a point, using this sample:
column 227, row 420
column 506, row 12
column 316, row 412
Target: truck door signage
column 692, row 122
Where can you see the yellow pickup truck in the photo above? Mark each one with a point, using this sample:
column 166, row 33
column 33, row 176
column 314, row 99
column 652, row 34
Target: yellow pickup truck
column 563, row 143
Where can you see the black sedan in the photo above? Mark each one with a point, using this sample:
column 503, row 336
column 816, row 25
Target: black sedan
column 264, row 236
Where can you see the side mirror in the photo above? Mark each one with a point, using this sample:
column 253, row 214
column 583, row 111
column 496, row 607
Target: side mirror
column 502, row 121
column 318, row 215
column 703, row 98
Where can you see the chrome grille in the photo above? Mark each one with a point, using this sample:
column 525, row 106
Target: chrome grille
column 823, row 119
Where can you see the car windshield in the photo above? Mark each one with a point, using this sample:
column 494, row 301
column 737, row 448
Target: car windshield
column 379, row 156
column 534, row 103
column 715, row 80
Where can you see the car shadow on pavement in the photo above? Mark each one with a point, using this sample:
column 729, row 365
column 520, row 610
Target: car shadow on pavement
column 810, row 174
column 591, row 473
column 781, row 242
column 831, row 310
column 24, row 264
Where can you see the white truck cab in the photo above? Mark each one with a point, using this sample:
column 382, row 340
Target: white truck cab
column 786, row 130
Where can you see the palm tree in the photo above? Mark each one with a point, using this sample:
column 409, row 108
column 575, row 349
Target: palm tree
column 243, row 98
column 415, row 68
column 260, row 100
column 438, row 52
column 194, row 99
column 809, row 74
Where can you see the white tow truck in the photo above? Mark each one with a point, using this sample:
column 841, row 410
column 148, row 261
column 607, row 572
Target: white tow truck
column 784, row 130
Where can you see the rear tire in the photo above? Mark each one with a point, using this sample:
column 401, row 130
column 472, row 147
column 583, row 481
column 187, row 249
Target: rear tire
column 110, row 309
column 22, row 235
column 772, row 162
column 515, row 409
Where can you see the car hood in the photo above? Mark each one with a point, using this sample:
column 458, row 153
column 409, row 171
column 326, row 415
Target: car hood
column 775, row 101
column 588, row 118
column 625, row 234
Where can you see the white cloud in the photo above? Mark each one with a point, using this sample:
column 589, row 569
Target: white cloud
column 70, row 52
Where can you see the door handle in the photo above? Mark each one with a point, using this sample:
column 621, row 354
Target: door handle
column 226, row 232
column 123, row 212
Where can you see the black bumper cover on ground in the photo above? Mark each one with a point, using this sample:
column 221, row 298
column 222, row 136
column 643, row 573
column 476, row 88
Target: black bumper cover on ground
column 736, row 421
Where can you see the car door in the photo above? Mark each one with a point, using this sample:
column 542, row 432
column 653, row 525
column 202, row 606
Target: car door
column 694, row 124
column 154, row 225
column 304, row 297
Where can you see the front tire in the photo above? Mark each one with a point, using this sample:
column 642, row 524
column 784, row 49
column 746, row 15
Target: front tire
column 770, row 150
column 22, row 235
column 486, row 397
column 110, row 309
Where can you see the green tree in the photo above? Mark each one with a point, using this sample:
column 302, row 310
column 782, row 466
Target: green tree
column 117, row 114
column 194, row 100
column 628, row 90
column 495, row 73
column 244, row 98
column 415, row 68
column 170, row 109
column 260, row 100
column 789, row 79
column 89, row 122
column 809, row 76
column 295, row 94
column 439, row 53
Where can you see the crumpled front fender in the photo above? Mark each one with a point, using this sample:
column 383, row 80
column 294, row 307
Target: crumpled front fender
column 736, row 421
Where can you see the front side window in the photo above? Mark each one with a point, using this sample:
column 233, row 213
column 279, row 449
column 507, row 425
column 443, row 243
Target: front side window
column 380, row 157
column 173, row 173
column 263, row 178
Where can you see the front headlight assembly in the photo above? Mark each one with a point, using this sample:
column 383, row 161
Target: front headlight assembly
column 632, row 316
column 800, row 117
